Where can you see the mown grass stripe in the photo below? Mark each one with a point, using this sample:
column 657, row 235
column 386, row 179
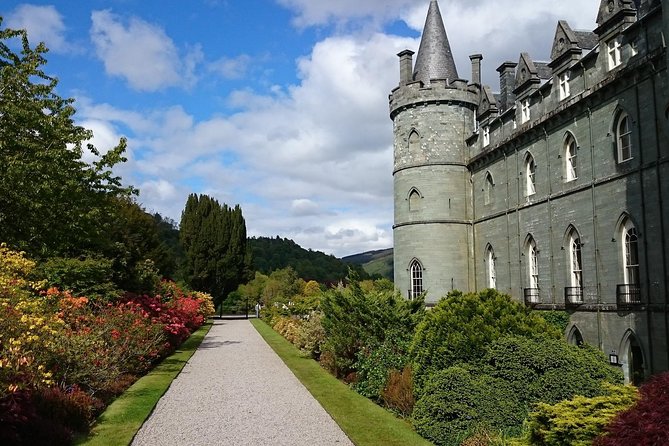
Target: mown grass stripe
column 365, row 423
column 119, row 423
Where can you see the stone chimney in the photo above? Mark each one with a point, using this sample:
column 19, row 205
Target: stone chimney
column 476, row 68
column 507, row 81
column 406, row 66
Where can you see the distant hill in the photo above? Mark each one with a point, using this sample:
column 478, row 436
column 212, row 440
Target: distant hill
column 375, row 263
column 270, row 254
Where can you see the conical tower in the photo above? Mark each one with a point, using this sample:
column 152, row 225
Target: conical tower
column 433, row 112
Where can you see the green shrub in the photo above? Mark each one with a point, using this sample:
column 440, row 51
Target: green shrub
column 311, row 335
column 354, row 319
column 578, row 421
column 461, row 326
column 374, row 363
column 558, row 319
column 455, row 401
column 91, row 277
column 549, row 370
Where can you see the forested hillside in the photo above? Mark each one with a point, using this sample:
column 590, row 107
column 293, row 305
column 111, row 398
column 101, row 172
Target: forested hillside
column 270, row 254
column 376, row 263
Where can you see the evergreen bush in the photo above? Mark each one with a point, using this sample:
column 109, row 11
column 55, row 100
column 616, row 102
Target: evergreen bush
column 456, row 401
column 577, row 421
column 461, row 326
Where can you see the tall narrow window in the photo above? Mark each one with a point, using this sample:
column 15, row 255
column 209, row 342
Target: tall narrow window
column 524, row 111
column 570, row 158
column 613, row 51
column 414, row 141
column 532, row 264
column 492, row 269
column 486, row 135
column 414, row 200
column 623, row 134
column 488, row 189
column 564, row 86
column 530, row 172
column 575, row 260
column 416, row 279
column 630, row 247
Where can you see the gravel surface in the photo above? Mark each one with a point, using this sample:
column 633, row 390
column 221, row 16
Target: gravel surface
column 236, row 391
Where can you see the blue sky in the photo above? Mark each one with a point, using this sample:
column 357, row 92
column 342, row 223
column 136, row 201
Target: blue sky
column 278, row 105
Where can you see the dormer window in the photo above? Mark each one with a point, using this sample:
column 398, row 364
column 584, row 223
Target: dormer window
column 486, row 135
column 524, row 111
column 564, row 86
column 613, row 51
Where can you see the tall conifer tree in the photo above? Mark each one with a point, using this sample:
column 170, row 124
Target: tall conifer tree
column 213, row 237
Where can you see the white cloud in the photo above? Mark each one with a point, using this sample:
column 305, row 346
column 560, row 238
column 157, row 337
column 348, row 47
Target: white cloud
column 142, row 53
column 43, row 23
column 320, row 12
column 231, row 67
column 104, row 138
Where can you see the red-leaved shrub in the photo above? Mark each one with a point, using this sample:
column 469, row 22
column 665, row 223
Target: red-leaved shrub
column 644, row 424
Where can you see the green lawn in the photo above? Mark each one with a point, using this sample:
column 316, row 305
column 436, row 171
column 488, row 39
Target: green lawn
column 365, row 423
column 123, row 418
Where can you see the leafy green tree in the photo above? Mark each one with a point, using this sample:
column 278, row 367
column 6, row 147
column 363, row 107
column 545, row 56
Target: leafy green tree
column 460, row 327
column 51, row 201
column 213, row 238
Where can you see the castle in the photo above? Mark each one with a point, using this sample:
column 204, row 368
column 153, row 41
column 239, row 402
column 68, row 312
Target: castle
column 554, row 190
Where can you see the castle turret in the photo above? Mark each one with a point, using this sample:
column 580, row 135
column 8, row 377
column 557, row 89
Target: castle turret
column 433, row 114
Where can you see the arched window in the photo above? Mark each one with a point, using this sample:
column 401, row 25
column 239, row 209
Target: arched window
column 570, row 158
column 414, row 141
column 575, row 336
column 575, row 259
column 632, row 359
column 488, row 189
column 416, row 270
column 630, row 247
column 623, row 132
column 491, row 267
column 532, row 264
column 414, row 200
column 530, row 171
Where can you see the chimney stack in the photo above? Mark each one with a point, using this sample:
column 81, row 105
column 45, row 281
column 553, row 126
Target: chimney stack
column 507, row 81
column 476, row 68
column 406, row 66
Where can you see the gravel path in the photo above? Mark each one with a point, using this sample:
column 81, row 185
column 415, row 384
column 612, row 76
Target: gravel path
column 236, row 391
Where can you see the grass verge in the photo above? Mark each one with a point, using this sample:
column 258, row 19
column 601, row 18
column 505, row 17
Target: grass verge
column 119, row 423
column 365, row 423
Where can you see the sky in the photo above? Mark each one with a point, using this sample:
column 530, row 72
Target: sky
column 280, row 106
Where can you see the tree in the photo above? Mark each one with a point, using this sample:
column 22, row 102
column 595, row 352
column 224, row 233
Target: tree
column 51, row 201
column 213, row 238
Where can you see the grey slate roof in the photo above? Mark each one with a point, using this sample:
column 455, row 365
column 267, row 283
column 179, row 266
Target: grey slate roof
column 586, row 39
column 434, row 60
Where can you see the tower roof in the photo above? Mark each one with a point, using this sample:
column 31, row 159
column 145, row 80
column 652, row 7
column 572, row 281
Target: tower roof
column 434, row 60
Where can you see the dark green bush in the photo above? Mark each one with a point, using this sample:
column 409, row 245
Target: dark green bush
column 558, row 319
column 91, row 277
column 456, row 401
column 548, row 370
column 461, row 326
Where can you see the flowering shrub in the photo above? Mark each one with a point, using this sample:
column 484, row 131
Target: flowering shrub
column 62, row 356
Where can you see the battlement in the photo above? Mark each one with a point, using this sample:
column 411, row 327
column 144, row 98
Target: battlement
column 439, row 91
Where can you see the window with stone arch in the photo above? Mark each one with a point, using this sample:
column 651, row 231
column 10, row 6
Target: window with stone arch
column 570, row 158
column 415, row 200
column 623, row 135
column 532, row 254
column 416, row 273
column 575, row 258
column 629, row 244
column 488, row 189
column 414, row 141
column 491, row 267
column 530, row 175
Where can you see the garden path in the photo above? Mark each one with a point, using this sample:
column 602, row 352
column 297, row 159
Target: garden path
column 236, row 391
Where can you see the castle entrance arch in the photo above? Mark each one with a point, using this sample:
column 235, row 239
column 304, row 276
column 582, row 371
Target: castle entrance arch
column 632, row 359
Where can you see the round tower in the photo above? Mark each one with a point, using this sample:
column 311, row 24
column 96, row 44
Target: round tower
column 433, row 112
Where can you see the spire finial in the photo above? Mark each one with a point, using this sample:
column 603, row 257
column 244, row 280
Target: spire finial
column 434, row 60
